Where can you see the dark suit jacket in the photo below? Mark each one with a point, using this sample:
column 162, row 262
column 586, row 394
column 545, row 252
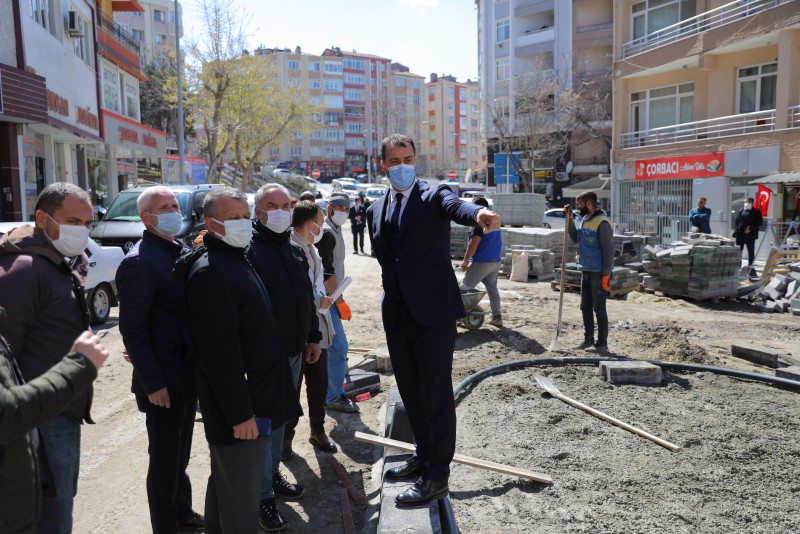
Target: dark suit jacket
column 752, row 219
column 420, row 271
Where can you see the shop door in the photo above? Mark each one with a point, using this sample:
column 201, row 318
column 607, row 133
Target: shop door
column 765, row 238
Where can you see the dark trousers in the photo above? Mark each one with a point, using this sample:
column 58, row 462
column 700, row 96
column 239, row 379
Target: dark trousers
column 593, row 302
column 316, row 375
column 751, row 250
column 233, row 494
column 169, row 434
column 358, row 235
column 422, row 358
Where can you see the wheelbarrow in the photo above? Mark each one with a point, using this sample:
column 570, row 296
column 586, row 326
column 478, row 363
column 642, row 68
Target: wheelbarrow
column 475, row 314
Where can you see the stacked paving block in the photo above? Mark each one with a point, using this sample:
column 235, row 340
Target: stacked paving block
column 519, row 209
column 621, row 278
column 698, row 267
column 782, row 293
column 540, row 262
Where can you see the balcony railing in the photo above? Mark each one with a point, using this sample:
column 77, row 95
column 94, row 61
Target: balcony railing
column 708, row 20
column 794, row 116
column 744, row 123
column 534, row 37
column 595, row 27
column 119, row 33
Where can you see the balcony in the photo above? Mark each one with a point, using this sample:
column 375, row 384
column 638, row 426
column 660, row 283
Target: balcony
column 535, row 42
column 709, row 20
column 119, row 46
column 794, row 117
column 742, row 124
column 530, row 7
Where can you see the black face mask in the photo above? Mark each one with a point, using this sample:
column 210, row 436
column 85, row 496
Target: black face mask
column 584, row 211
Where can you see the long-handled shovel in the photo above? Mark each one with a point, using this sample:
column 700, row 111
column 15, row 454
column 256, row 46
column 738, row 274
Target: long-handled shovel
column 553, row 390
column 563, row 276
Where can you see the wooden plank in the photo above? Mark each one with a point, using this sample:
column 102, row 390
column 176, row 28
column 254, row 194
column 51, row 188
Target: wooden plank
column 347, row 512
column 459, row 458
column 347, row 483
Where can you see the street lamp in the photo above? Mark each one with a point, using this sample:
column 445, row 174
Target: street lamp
column 368, row 153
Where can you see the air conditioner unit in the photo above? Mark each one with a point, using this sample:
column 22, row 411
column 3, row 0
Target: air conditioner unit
column 72, row 26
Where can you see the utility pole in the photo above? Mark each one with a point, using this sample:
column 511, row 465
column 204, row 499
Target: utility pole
column 180, row 123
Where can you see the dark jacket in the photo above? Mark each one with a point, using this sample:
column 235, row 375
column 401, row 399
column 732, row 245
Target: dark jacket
column 360, row 211
column 241, row 371
column 419, row 271
column 45, row 306
column 752, row 219
column 153, row 319
column 283, row 268
column 22, row 408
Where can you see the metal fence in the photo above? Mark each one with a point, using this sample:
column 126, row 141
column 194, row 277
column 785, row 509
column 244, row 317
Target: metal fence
column 657, row 207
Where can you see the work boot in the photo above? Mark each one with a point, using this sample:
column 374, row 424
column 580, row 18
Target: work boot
column 270, row 518
column 285, row 489
column 343, row 404
column 585, row 345
column 497, row 320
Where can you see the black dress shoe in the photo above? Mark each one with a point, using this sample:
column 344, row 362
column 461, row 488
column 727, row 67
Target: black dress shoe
column 411, row 468
column 423, row 491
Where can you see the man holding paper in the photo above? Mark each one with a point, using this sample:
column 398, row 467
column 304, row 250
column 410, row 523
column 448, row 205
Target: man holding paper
column 332, row 252
column 409, row 229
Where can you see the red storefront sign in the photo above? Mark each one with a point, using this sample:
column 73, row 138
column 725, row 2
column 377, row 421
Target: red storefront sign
column 694, row 166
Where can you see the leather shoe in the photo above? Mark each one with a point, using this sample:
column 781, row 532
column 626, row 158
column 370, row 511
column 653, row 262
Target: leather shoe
column 423, row 491
column 411, row 468
column 322, row 443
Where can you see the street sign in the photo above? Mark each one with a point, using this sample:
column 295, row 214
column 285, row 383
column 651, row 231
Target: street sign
column 452, row 175
column 315, row 174
column 505, row 172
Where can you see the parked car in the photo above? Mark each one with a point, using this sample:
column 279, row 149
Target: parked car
column 375, row 192
column 121, row 225
column 99, row 285
column 281, row 173
column 554, row 218
column 470, row 195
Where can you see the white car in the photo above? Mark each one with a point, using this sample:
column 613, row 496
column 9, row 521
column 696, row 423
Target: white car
column 375, row 192
column 281, row 173
column 554, row 218
column 469, row 196
column 99, row 284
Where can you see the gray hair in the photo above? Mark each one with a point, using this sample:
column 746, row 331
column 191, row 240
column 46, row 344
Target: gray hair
column 269, row 188
column 52, row 197
column 211, row 198
column 145, row 200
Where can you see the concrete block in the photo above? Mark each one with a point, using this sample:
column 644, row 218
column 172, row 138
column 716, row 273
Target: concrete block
column 767, row 307
column 383, row 364
column 770, row 293
column 760, row 355
column 631, row 372
column 792, row 373
column 397, row 425
column 394, row 520
column 358, row 381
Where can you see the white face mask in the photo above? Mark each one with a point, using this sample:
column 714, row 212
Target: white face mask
column 339, row 218
column 277, row 220
column 72, row 239
column 748, row 206
column 315, row 238
column 237, row 232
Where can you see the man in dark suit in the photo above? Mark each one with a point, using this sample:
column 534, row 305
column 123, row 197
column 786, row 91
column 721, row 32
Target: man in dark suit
column 748, row 222
column 409, row 229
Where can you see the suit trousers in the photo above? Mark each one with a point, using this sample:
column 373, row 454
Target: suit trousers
column 422, row 358
column 316, row 375
column 232, row 495
column 169, row 435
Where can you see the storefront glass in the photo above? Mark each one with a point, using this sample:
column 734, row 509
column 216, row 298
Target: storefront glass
column 33, row 153
column 97, row 163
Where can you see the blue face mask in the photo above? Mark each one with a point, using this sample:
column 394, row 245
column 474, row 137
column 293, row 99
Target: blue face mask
column 401, row 176
column 169, row 224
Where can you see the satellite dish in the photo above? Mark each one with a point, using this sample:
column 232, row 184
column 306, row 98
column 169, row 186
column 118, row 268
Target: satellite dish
column 569, row 167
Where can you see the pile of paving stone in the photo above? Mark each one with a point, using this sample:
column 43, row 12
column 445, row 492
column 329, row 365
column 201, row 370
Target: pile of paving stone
column 698, row 266
column 782, row 293
column 540, row 262
column 524, row 209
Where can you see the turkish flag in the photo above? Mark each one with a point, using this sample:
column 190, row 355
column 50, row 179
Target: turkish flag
column 762, row 199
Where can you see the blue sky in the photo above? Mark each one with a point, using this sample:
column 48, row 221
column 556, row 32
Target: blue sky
column 425, row 35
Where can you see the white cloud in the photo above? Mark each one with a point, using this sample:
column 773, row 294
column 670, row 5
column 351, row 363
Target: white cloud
column 419, row 4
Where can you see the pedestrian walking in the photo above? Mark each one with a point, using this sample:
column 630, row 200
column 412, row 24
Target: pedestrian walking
column 154, row 324
column 243, row 377
column 482, row 264
column 332, row 252
column 358, row 221
column 283, row 268
column 700, row 217
column 748, row 222
column 25, row 406
column 409, row 230
column 596, row 259
column 41, row 269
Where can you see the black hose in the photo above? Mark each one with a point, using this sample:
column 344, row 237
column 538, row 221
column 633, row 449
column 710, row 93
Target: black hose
column 446, row 516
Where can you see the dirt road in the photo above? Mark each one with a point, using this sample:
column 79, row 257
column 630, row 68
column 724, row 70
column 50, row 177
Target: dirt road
column 111, row 494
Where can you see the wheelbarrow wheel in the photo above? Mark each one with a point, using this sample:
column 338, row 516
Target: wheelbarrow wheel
column 475, row 318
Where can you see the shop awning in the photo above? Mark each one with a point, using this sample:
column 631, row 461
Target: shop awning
column 126, row 6
column 600, row 184
column 789, row 177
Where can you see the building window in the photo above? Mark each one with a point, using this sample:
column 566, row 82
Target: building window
column 316, row 151
column 138, row 35
column 503, row 30
column 161, row 39
column 503, row 71
column 664, row 106
column 81, row 44
column 334, row 151
column 354, row 143
column 294, row 82
column 294, row 65
column 333, row 135
column 353, row 127
column 400, row 99
column 313, row 84
column 313, row 67
column 353, row 94
column 333, row 118
column 400, row 82
column 333, row 67
column 316, row 134
column 473, row 123
column 296, row 151
column 42, row 12
column 333, row 86
column 354, row 64
column 757, row 88
column 451, row 120
column 431, row 93
column 650, row 16
column 158, row 15
column 462, row 123
column 415, row 100
column 451, row 105
column 353, row 79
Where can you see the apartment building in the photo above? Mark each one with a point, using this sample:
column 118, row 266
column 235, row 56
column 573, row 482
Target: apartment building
column 452, row 142
column 406, row 108
column 707, row 102
column 525, row 45
column 153, row 25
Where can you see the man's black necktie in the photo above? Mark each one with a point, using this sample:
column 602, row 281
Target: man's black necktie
column 393, row 230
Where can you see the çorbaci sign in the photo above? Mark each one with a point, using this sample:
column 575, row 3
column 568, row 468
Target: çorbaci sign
column 707, row 165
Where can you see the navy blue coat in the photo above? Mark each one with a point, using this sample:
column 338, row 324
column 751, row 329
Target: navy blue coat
column 420, row 271
column 153, row 319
